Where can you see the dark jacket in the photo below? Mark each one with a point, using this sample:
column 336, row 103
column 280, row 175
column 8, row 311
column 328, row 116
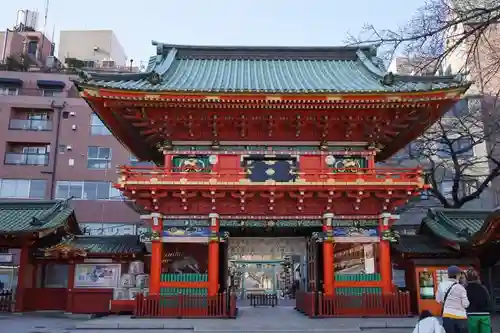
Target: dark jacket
column 479, row 298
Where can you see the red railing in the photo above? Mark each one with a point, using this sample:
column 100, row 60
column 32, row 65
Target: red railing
column 185, row 306
column 367, row 305
column 305, row 303
column 380, row 175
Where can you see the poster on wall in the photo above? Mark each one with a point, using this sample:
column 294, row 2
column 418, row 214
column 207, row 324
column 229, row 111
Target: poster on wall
column 426, row 282
column 97, row 275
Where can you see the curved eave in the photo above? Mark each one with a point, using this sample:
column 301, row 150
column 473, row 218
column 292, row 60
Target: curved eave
column 452, row 92
column 141, row 151
column 490, row 226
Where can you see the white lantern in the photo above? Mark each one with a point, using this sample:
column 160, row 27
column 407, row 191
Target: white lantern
column 330, row 160
column 212, row 159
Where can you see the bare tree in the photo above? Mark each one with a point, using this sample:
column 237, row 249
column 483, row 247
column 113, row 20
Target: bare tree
column 441, row 28
column 462, row 148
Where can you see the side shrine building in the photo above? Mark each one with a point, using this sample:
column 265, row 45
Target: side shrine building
column 266, row 181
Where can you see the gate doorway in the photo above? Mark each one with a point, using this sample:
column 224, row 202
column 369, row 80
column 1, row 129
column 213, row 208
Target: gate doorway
column 256, row 277
column 263, row 282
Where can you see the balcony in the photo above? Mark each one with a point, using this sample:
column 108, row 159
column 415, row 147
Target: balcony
column 26, row 159
column 387, row 177
column 30, row 125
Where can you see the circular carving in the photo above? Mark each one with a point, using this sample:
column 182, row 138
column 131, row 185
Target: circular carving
column 330, row 160
column 212, row 159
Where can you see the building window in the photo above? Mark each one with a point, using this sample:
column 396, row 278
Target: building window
column 99, row 158
column 447, row 189
column 52, row 93
column 463, row 147
column 136, row 163
column 55, row 276
column 9, row 91
column 95, row 191
column 23, row 188
column 86, row 190
column 26, row 155
column 31, row 121
column 97, row 127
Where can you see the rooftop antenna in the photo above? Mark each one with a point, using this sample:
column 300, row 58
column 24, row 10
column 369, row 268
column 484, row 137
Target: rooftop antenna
column 53, row 46
column 44, row 25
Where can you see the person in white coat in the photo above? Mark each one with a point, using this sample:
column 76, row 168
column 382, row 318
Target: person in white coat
column 427, row 323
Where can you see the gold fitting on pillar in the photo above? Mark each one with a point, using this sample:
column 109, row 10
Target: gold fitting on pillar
column 328, row 219
column 214, row 217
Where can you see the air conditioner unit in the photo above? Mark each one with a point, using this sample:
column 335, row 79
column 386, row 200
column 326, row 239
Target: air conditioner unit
column 73, row 127
column 69, row 148
column 72, row 114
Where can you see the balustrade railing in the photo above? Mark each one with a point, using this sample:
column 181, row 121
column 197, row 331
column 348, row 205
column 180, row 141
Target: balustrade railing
column 30, row 125
column 379, row 175
column 185, row 306
column 314, row 304
column 26, row 159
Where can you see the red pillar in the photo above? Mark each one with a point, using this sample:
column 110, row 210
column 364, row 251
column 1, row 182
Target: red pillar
column 328, row 271
column 385, row 264
column 371, row 162
column 71, row 285
column 167, row 162
column 21, row 278
column 213, row 255
column 156, row 253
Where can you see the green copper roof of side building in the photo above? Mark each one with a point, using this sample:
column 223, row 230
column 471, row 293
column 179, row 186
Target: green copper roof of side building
column 461, row 226
column 32, row 216
column 220, row 69
column 107, row 244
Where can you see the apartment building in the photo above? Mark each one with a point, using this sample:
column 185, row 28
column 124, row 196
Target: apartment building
column 94, row 47
column 408, row 157
column 54, row 146
column 479, row 60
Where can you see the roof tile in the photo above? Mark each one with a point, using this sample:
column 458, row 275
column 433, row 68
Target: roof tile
column 283, row 70
column 456, row 225
column 421, row 244
column 106, row 244
column 32, row 216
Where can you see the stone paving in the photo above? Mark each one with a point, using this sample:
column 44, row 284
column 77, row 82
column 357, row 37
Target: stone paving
column 279, row 319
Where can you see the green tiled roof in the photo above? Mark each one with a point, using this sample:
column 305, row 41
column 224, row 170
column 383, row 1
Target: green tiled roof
column 420, row 244
column 180, row 68
column 107, row 244
column 32, row 216
column 456, row 225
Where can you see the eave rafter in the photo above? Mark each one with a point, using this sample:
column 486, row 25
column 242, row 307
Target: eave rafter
column 216, row 199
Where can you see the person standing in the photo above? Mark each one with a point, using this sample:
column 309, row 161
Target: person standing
column 481, row 306
column 453, row 297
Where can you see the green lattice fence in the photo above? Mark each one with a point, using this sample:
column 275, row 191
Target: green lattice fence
column 357, row 291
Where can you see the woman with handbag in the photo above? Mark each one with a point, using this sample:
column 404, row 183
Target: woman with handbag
column 453, row 297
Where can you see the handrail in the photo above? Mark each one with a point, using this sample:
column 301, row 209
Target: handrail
column 156, row 169
column 379, row 175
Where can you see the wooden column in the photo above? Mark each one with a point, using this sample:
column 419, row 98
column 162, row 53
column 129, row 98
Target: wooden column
column 328, row 271
column 21, row 278
column 71, row 285
column 167, row 161
column 213, row 255
column 385, row 265
column 370, row 162
column 156, row 253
